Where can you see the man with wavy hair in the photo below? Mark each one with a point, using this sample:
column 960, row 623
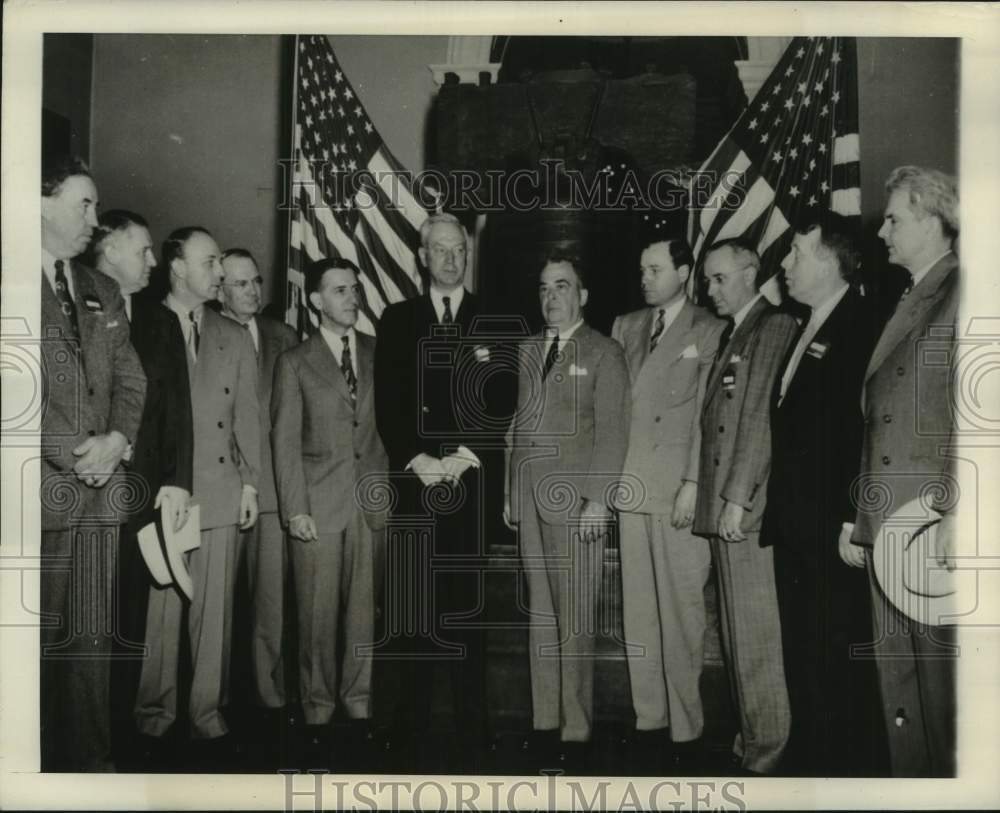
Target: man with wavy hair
column 904, row 393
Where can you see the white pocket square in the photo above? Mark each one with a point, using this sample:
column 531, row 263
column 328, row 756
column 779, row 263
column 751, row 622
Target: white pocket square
column 689, row 352
column 574, row 370
column 112, row 324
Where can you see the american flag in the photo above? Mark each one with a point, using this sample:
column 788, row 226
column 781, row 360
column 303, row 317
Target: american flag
column 350, row 197
column 791, row 154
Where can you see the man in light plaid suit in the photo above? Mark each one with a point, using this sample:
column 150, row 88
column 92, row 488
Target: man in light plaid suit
column 735, row 458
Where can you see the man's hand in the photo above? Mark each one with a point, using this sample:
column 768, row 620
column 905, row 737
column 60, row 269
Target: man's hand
column 429, row 469
column 684, row 502
column 850, row 555
column 594, row 519
column 454, row 467
column 508, row 520
column 248, row 507
column 945, row 542
column 303, row 528
column 177, row 501
column 729, row 523
column 98, row 457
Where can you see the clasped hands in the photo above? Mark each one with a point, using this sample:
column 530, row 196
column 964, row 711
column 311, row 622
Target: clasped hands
column 433, row 470
column 98, row 457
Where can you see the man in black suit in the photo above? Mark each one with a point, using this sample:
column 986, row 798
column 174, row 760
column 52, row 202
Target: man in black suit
column 263, row 545
column 123, row 251
column 444, row 394
column 816, row 430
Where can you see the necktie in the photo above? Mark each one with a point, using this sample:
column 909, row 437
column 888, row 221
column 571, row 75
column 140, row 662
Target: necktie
column 657, row 330
column 195, row 335
column 65, row 300
column 550, row 357
column 348, row 369
column 727, row 333
column 246, row 326
column 448, row 318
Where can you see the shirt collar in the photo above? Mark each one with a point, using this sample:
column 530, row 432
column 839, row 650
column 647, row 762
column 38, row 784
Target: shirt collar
column 182, row 311
column 564, row 335
column 454, row 299
column 336, row 342
column 919, row 275
column 741, row 314
column 49, row 269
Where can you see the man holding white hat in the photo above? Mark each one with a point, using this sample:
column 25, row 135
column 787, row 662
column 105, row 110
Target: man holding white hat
column 908, row 431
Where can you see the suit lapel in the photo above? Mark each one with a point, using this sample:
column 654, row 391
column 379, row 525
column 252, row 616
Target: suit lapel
column 736, row 344
column 639, row 341
column 365, row 364
column 672, row 340
column 828, row 334
column 324, row 363
column 910, row 312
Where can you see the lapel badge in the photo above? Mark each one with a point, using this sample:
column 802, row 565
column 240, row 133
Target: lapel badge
column 817, row 349
column 92, row 304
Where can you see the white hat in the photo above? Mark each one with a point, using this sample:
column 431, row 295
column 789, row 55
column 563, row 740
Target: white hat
column 907, row 569
column 163, row 549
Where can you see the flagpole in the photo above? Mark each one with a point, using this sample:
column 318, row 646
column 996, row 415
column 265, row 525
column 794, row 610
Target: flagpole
column 290, row 188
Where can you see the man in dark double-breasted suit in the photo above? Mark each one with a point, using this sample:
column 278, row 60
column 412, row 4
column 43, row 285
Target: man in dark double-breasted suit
column 816, row 428
column 732, row 483
column 444, row 393
column 94, row 389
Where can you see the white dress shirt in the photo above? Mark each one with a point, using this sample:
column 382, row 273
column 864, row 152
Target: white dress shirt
column 336, row 344
column 184, row 317
column 741, row 314
column 454, row 300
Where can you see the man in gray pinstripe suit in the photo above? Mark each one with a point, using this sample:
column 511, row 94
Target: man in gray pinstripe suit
column 735, row 458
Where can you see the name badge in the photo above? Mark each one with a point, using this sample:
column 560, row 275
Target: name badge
column 817, row 349
column 728, row 380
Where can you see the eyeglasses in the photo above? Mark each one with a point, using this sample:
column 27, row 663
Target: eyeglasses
column 441, row 253
column 241, row 284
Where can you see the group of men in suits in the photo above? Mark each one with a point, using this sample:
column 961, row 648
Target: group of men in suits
column 375, row 468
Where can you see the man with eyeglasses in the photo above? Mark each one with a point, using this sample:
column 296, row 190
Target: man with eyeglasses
column 263, row 545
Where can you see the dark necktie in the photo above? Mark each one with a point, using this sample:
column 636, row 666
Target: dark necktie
column 246, row 326
column 195, row 334
column 65, row 300
column 447, row 318
column 657, row 330
column 348, row 369
column 550, row 357
column 727, row 333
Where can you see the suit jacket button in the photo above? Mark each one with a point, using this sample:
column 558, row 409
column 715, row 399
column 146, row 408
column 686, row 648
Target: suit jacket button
column 656, row 419
column 887, row 418
column 532, row 443
column 90, row 391
column 900, row 371
column 357, row 456
column 227, row 390
column 356, row 424
column 729, row 395
column 885, row 459
column 716, row 461
column 425, row 410
column 722, row 429
column 220, row 424
column 222, row 460
column 91, row 432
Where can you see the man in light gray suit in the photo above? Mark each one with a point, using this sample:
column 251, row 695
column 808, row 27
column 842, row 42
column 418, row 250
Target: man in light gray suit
column 226, row 419
column 908, row 451
column 732, row 488
column 669, row 346
column 330, row 469
column 567, row 446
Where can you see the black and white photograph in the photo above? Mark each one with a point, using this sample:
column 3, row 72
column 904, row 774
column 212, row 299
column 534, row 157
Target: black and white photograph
column 500, row 406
